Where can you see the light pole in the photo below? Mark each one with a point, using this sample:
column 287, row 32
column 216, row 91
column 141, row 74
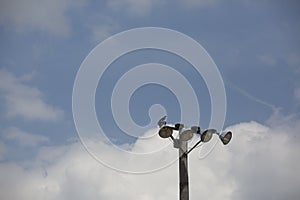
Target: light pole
column 181, row 143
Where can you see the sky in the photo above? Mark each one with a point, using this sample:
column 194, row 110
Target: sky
column 82, row 85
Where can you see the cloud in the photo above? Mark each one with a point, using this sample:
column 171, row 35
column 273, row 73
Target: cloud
column 23, row 138
column 261, row 162
column 100, row 32
column 25, row 101
column 265, row 159
column 30, row 15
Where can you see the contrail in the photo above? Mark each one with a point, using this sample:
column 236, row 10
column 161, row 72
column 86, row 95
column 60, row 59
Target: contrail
column 251, row 97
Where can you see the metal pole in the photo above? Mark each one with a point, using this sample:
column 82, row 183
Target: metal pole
column 183, row 171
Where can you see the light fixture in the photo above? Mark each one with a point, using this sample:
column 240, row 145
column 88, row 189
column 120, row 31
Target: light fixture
column 207, row 134
column 178, row 127
column 186, row 135
column 196, row 129
column 225, row 137
column 162, row 121
column 165, row 131
column 181, row 143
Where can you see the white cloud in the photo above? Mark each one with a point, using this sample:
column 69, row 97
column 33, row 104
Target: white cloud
column 265, row 159
column 23, row 138
column 42, row 15
column 104, row 30
column 100, row 33
column 260, row 163
column 25, row 101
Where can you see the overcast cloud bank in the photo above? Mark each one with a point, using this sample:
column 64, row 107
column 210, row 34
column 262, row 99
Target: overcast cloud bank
column 261, row 162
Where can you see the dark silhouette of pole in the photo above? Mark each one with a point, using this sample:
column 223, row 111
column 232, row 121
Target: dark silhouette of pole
column 183, row 171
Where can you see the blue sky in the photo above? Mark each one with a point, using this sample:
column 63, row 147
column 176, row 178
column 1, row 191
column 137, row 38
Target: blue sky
column 255, row 45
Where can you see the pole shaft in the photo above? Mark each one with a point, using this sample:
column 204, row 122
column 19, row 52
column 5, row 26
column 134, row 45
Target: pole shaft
column 183, row 172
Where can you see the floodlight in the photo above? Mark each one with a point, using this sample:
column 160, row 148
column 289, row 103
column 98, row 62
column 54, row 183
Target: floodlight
column 165, row 132
column 162, row 122
column 225, row 137
column 178, row 126
column 207, row 135
column 186, row 135
column 196, row 129
column 181, row 143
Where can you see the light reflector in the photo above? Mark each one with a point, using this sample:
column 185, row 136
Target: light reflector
column 165, row 132
column 186, row 135
column 207, row 135
column 225, row 137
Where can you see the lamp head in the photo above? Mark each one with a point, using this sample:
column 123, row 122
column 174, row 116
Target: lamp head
column 196, row 129
column 178, row 126
column 162, row 121
column 207, row 135
column 165, row 131
column 225, row 137
column 186, row 135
